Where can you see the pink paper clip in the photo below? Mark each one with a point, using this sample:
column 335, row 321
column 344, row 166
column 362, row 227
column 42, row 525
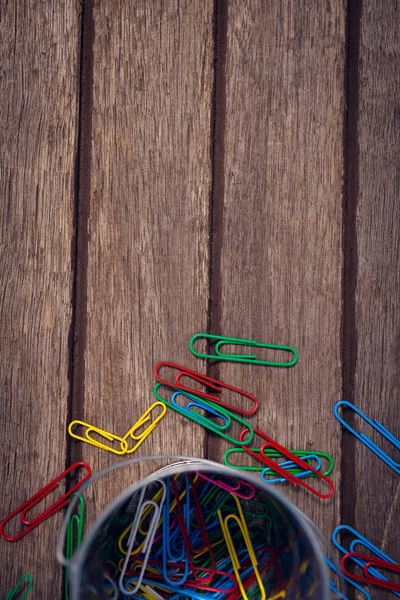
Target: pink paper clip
column 233, row 489
column 208, row 382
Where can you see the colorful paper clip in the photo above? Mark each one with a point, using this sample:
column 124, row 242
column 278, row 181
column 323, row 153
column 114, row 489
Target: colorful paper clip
column 287, row 465
column 262, row 456
column 145, row 418
column 208, row 382
column 360, row 540
column 242, row 358
column 377, row 426
column 339, row 573
column 240, row 488
column 271, row 453
column 370, row 562
column 24, row 508
column 241, row 522
column 122, row 441
column 110, row 437
column 12, row 593
column 73, row 538
column 209, row 407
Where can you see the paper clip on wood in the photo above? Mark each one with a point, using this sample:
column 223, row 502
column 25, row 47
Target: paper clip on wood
column 365, row 439
column 296, row 460
column 207, row 407
column 24, row 508
column 208, row 382
column 111, row 437
column 360, row 540
column 370, row 562
column 12, row 593
column 339, row 573
column 242, row 358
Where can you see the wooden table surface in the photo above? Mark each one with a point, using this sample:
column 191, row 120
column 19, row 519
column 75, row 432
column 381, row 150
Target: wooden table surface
column 173, row 167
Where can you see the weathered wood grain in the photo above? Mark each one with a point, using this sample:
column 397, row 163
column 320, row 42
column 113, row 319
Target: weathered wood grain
column 148, row 223
column 39, row 78
column 280, row 220
column 377, row 304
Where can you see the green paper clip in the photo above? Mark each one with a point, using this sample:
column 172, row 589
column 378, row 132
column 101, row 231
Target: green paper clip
column 242, row 358
column 73, row 537
column 13, row 591
column 271, row 453
column 204, row 421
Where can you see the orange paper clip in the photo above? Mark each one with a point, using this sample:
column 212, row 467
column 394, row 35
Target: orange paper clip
column 24, row 508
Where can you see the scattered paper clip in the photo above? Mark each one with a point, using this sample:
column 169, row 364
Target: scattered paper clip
column 73, row 538
column 122, row 441
column 208, row 382
column 370, row 562
column 24, row 508
column 242, row 358
column 209, row 407
column 266, row 473
column 123, row 446
column 339, row 573
column 140, row 438
column 17, row 589
column 377, row 426
column 361, row 541
column 271, row 453
column 262, row 456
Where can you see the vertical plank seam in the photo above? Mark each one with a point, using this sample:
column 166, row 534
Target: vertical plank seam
column 350, row 252
column 77, row 338
column 217, row 151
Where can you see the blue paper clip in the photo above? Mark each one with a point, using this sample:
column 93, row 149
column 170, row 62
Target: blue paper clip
column 365, row 439
column 334, row 587
column 203, row 420
column 227, row 422
column 288, row 464
column 362, row 541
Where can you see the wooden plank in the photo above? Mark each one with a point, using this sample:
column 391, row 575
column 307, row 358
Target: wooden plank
column 39, row 91
column 280, row 226
column 377, row 303
column 148, row 217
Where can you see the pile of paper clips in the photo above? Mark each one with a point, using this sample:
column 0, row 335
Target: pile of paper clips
column 200, row 535
column 205, row 535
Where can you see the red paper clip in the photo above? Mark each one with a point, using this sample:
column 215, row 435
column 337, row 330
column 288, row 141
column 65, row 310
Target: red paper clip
column 36, row 498
column 371, row 562
column 213, row 384
column 186, row 537
column 270, row 443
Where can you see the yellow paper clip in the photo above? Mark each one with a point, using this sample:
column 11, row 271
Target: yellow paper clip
column 231, row 548
column 105, row 434
column 141, row 421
